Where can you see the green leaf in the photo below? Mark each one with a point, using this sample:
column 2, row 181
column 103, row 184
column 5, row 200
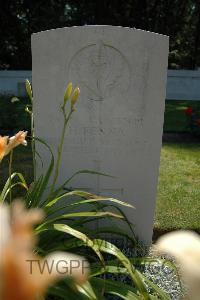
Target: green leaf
column 159, row 292
column 89, row 214
column 126, row 220
column 142, row 261
column 93, row 200
column 66, row 292
column 7, row 186
column 82, row 194
column 107, row 247
column 97, row 270
column 117, row 288
column 80, row 214
column 113, row 230
column 33, row 193
column 12, row 186
column 91, row 172
column 87, row 290
column 115, row 268
column 49, row 170
column 81, row 236
column 35, row 196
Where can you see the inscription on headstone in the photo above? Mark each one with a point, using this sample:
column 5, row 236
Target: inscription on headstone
column 117, row 127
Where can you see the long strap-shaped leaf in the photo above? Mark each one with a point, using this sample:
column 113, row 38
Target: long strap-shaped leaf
column 126, row 220
column 47, row 176
column 72, row 243
column 117, row 288
column 80, row 214
column 12, row 186
column 65, row 292
column 112, row 230
column 143, row 261
column 7, row 185
column 84, row 201
column 33, row 194
column 87, row 290
column 78, row 193
column 107, row 247
column 97, row 199
column 79, row 235
column 34, row 198
column 116, row 269
column 91, row 172
column 83, row 239
column 161, row 293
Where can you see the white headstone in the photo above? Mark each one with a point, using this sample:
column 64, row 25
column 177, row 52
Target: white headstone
column 117, row 126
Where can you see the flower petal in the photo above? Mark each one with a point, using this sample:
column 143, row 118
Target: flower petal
column 62, row 264
column 3, row 146
column 4, row 227
column 16, row 140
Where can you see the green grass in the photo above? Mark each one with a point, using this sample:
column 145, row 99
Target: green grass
column 178, row 197
column 175, row 118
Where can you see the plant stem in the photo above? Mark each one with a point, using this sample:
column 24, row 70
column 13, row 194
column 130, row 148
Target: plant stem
column 33, row 146
column 10, row 173
column 66, row 120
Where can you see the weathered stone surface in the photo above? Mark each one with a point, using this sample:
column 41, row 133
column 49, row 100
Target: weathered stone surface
column 117, row 127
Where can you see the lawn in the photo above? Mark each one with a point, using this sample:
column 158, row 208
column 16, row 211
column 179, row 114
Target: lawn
column 178, row 197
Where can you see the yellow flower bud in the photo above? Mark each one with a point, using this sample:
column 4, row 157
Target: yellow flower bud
column 29, row 89
column 68, row 92
column 75, row 96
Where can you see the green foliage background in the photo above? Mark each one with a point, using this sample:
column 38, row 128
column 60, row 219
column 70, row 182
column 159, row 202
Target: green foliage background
column 180, row 19
column 14, row 118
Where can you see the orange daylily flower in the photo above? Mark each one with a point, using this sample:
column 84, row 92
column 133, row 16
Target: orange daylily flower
column 16, row 140
column 3, row 146
column 7, row 144
column 24, row 275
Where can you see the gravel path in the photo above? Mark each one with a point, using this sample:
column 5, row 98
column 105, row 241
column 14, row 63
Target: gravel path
column 161, row 274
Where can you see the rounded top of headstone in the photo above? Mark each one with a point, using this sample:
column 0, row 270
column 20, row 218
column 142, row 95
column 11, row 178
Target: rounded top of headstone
column 102, row 28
